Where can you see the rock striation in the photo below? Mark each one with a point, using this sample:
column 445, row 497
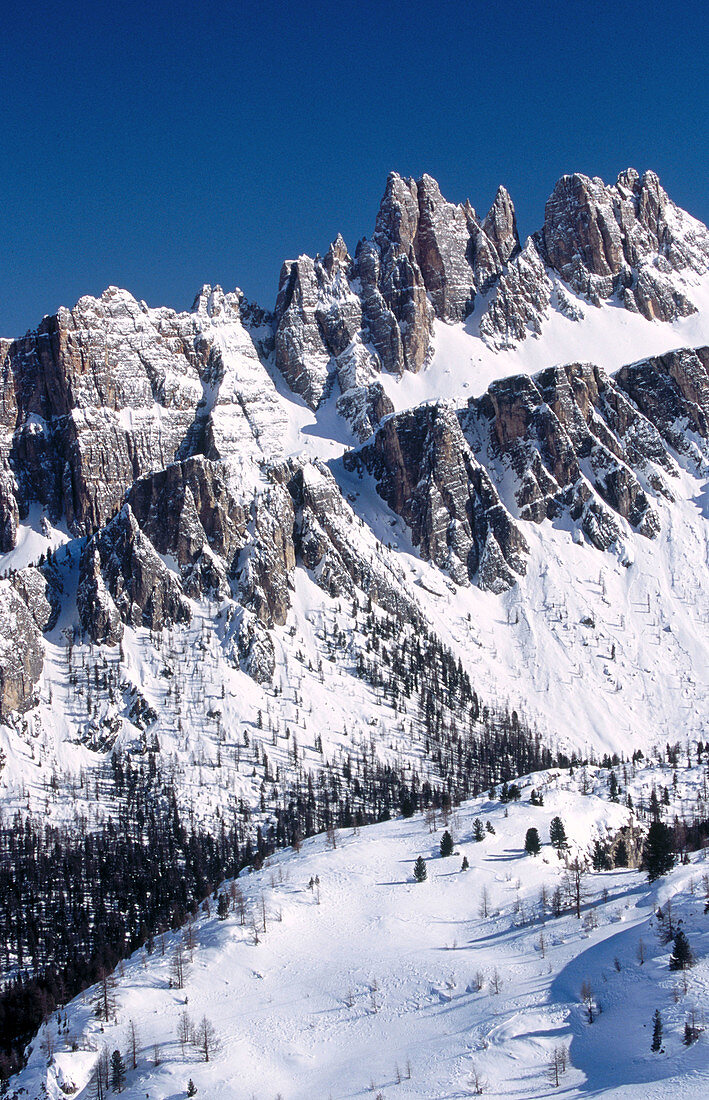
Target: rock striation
column 573, row 442
column 426, row 472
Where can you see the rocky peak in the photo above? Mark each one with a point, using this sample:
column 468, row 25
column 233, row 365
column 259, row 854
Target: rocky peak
column 500, row 225
column 627, row 239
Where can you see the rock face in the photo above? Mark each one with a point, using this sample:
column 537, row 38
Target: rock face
column 121, row 574
column 21, row 653
column 672, row 391
column 627, row 239
column 573, row 441
column 111, row 390
column 427, row 473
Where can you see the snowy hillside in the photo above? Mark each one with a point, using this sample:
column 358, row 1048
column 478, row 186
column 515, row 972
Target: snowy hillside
column 368, row 983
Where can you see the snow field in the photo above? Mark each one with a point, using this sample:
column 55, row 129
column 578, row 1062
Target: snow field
column 369, row 975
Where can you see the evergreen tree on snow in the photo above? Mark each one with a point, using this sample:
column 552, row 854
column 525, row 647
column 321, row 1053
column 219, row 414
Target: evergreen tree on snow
column 656, row 1032
column 420, row 872
column 118, row 1071
column 557, row 834
column 532, row 845
column 682, row 956
column 658, row 851
column 446, row 844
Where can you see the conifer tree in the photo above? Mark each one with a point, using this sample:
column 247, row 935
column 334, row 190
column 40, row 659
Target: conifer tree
column 557, row 834
column 658, row 851
column 118, row 1071
column 446, row 844
column 682, row 956
column 191, row 1088
column 478, row 830
column 420, row 872
column 621, row 854
column 532, row 845
column 656, row 1032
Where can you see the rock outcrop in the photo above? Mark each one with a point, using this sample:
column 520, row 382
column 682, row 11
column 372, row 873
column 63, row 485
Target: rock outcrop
column 427, row 473
column 121, row 572
column 627, row 239
column 21, row 654
column 573, row 441
column 672, row 391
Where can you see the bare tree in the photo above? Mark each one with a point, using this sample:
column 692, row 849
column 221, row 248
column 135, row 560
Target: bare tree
column 106, row 997
column 576, row 870
column 484, row 905
column 477, row 1082
column 132, row 1042
column 178, row 968
column 557, row 1065
column 206, row 1038
column 495, row 981
column 184, row 1031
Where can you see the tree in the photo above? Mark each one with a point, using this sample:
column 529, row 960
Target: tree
column 178, row 967
column 656, row 1045
column 205, row 1038
column 464, row 865
column 420, row 872
column 600, row 858
column 557, row 834
column 106, row 999
column 621, row 854
column 133, row 1043
column 574, row 883
column 223, row 907
column 118, row 1071
column 658, row 851
column 682, row 956
column 446, row 844
column 532, row 845
column 191, row 1088
column 184, row 1031
column 557, row 1065
column 97, row 1088
column 478, row 830
column 587, row 999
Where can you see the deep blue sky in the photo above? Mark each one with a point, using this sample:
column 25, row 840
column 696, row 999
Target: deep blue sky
column 158, row 146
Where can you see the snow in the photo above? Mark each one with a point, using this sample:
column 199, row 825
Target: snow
column 370, row 974
column 463, row 365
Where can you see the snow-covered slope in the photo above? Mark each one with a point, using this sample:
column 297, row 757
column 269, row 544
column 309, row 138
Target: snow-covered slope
column 335, row 975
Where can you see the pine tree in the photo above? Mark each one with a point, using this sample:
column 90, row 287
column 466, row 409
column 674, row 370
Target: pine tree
column 478, row 830
column 191, row 1088
column 600, row 859
column 420, row 872
column 446, row 844
column 532, row 845
column 557, row 834
column 223, row 907
column 464, row 865
column 118, row 1071
column 656, row 1032
column 621, row 854
column 682, row 956
column 658, row 851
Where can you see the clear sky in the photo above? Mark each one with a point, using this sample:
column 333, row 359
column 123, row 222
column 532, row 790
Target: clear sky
column 158, row 146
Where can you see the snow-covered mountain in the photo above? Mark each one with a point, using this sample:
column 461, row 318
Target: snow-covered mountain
column 437, row 520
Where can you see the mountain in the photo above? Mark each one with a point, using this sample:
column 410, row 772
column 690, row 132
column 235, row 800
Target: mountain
column 436, row 521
